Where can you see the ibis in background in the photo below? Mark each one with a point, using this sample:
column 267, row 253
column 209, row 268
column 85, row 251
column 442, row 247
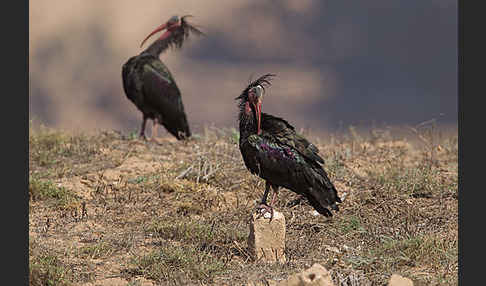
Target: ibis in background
column 149, row 84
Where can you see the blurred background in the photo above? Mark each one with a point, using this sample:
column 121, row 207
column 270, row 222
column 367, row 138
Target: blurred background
column 338, row 63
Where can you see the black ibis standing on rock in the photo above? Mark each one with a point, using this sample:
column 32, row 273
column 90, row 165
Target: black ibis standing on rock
column 148, row 83
column 273, row 150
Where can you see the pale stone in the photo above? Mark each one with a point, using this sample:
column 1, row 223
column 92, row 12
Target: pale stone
column 266, row 241
column 119, row 282
column 142, row 282
column 108, row 282
column 317, row 275
column 262, row 283
column 397, row 280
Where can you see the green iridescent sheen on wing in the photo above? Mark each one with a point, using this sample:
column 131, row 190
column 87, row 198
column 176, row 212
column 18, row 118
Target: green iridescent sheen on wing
column 159, row 68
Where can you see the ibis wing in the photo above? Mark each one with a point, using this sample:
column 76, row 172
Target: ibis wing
column 284, row 166
column 286, row 135
column 163, row 96
column 131, row 83
column 271, row 160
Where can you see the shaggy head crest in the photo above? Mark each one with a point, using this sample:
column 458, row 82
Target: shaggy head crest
column 262, row 81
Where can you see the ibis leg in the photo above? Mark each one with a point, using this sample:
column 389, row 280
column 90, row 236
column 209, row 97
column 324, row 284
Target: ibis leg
column 265, row 194
column 275, row 194
column 142, row 130
column 154, row 129
column 264, row 207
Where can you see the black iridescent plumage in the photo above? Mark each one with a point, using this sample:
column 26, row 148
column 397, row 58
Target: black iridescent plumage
column 281, row 156
column 148, row 83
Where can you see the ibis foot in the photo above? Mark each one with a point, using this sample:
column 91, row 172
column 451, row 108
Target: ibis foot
column 263, row 208
column 156, row 141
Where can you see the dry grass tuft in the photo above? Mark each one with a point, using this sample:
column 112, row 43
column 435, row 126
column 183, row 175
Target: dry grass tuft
column 46, row 268
column 47, row 191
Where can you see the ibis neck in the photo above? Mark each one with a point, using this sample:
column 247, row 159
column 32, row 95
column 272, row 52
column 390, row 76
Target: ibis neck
column 248, row 123
column 159, row 46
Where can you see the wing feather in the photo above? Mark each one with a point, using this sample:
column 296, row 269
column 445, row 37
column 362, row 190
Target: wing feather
column 163, row 96
column 285, row 133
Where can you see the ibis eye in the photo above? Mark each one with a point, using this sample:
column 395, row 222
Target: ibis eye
column 174, row 19
column 259, row 91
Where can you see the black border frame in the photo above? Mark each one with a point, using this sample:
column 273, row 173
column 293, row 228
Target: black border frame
column 15, row 118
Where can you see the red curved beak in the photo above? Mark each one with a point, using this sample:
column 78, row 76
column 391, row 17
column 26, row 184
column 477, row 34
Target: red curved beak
column 158, row 29
column 258, row 108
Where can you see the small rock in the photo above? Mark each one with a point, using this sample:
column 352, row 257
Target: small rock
column 262, row 283
column 143, row 282
column 343, row 196
column 119, row 282
column 266, row 241
column 317, row 275
column 397, row 280
column 108, row 282
column 315, row 213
